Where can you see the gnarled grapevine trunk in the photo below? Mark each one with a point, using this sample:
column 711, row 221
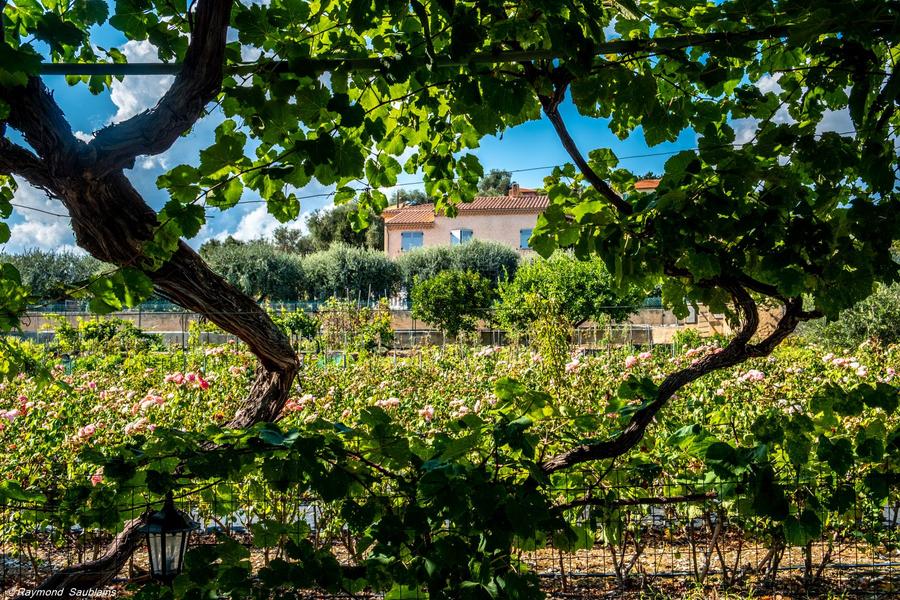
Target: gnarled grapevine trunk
column 112, row 222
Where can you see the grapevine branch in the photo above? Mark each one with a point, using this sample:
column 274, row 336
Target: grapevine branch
column 321, row 64
column 737, row 351
column 112, row 222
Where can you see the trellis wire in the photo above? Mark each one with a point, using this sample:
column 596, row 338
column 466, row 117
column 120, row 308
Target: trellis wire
column 669, row 539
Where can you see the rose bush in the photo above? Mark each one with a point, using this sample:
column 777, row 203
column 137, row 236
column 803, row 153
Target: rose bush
column 793, row 445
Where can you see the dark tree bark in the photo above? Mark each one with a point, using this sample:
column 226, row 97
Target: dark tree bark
column 96, row 573
column 735, row 283
column 112, row 222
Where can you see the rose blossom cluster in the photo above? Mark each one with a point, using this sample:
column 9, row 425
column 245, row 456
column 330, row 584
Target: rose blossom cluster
column 846, row 362
column 87, row 431
column 633, row 361
column 574, row 365
column 295, row 404
column 752, row 375
column 427, row 413
column 149, row 401
column 459, row 408
column 388, row 404
column 193, row 379
column 139, row 425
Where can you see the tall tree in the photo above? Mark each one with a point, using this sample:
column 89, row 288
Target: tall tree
column 495, row 183
column 409, row 197
column 795, row 211
column 53, row 276
column 291, row 240
column 338, row 224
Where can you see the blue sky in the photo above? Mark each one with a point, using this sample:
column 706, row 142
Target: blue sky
column 528, row 146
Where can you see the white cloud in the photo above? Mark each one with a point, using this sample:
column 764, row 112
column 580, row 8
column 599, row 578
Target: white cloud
column 769, row 83
column 39, row 229
column 84, row 137
column 133, row 95
column 258, row 223
column 836, row 120
column 744, row 130
column 159, row 161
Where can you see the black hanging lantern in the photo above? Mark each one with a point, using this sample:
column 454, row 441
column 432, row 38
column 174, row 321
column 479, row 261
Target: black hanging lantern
column 167, row 534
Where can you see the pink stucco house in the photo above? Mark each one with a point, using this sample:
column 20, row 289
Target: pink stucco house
column 506, row 219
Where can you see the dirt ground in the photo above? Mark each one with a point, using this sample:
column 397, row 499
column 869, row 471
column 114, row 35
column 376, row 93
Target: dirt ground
column 661, row 566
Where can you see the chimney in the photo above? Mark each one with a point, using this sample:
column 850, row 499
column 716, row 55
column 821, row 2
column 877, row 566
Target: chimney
column 514, row 190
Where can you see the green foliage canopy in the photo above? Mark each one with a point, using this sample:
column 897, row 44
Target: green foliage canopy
column 492, row 260
column 258, row 269
column 351, row 272
column 48, row 275
column 581, row 290
column 875, row 319
column 495, row 183
column 453, row 301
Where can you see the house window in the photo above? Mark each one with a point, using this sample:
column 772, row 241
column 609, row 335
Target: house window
column 460, row 236
column 411, row 239
column 524, row 235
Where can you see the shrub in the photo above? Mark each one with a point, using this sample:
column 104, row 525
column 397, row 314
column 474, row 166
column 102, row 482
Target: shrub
column 345, row 271
column 107, row 334
column 452, row 301
column 297, row 323
column 491, row 260
column 581, row 290
column 259, row 270
column 48, row 274
column 424, row 263
column 875, row 319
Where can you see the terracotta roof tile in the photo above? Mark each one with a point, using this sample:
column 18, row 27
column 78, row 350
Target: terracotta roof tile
column 522, row 202
column 424, row 213
column 646, row 184
column 409, row 215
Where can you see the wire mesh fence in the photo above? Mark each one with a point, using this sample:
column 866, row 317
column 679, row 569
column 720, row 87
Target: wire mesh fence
column 671, row 536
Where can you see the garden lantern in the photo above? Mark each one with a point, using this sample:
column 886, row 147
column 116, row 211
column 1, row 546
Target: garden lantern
column 167, row 534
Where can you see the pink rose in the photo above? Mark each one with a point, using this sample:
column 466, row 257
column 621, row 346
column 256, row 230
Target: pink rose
column 427, row 413
column 631, row 361
column 176, row 378
column 753, row 375
column 97, row 477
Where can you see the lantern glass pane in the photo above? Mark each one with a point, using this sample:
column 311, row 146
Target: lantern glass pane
column 173, row 552
column 166, row 553
column 155, row 541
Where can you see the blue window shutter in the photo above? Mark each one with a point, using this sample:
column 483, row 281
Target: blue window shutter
column 524, row 234
column 411, row 239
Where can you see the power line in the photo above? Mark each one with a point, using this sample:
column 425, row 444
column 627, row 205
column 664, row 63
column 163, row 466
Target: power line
column 420, row 182
column 40, row 210
column 547, row 167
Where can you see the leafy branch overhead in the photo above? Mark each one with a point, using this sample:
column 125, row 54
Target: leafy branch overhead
column 349, row 92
